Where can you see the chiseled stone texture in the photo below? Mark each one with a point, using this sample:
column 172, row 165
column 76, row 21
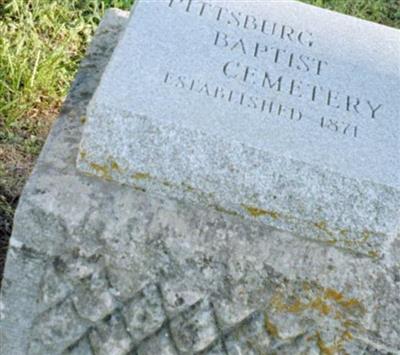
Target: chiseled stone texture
column 99, row 268
column 155, row 121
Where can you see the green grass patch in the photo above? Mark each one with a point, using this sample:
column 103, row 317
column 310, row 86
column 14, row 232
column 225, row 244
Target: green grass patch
column 386, row 12
column 41, row 43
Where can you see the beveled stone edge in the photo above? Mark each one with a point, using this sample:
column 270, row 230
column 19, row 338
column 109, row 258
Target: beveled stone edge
column 312, row 228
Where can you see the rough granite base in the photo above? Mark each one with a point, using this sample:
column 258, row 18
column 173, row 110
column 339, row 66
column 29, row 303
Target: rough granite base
column 99, row 268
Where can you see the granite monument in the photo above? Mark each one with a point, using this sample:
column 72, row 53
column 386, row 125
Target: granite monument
column 253, row 109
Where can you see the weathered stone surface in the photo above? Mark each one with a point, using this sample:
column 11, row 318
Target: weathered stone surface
column 189, row 107
column 145, row 314
column 205, row 281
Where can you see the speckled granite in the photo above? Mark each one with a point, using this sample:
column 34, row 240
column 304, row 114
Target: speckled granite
column 99, row 268
column 196, row 107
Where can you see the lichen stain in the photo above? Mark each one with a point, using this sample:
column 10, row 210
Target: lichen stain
column 344, row 232
column 332, row 294
column 329, row 303
column 373, row 254
column 323, row 348
column 295, row 307
column 347, row 335
column 102, row 170
column 223, row 210
column 365, row 235
column 188, row 187
column 141, row 176
column 82, row 154
column 321, row 306
column 320, row 303
column 105, row 170
column 271, row 328
column 138, row 188
column 322, row 225
column 115, row 166
column 351, row 304
column 336, row 348
column 258, row 212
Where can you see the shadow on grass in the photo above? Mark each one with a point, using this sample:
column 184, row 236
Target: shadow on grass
column 8, row 204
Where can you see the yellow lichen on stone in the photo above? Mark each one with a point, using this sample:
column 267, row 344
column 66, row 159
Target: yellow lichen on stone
column 271, row 328
column 188, row 187
column 373, row 254
column 138, row 188
column 322, row 225
column 352, row 304
column 258, row 212
column 296, row 307
column 348, row 303
column 344, row 232
column 331, row 305
column 141, row 176
column 332, row 294
column 347, row 335
column 343, row 236
column 223, row 210
column 102, row 170
column 321, row 306
column 365, row 235
column 115, row 166
column 332, row 349
column 307, row 286
column 82, row 154
column 323, row 348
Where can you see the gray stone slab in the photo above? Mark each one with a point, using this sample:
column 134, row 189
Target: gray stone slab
column 272, row 110
column 99, row 268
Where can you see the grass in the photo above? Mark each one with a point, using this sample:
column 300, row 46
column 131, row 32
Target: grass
column 385, row 12
column 41, row 43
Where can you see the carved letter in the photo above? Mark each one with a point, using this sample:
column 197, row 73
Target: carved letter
column 253, row 22
column 271, row 85
column 349, row 104
column 308, row 43
column 288, row 34
column 332, row 97
column 225, row 39
column 226, row 67
column 373, row 110
column 257, row 49
column 241, row 45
